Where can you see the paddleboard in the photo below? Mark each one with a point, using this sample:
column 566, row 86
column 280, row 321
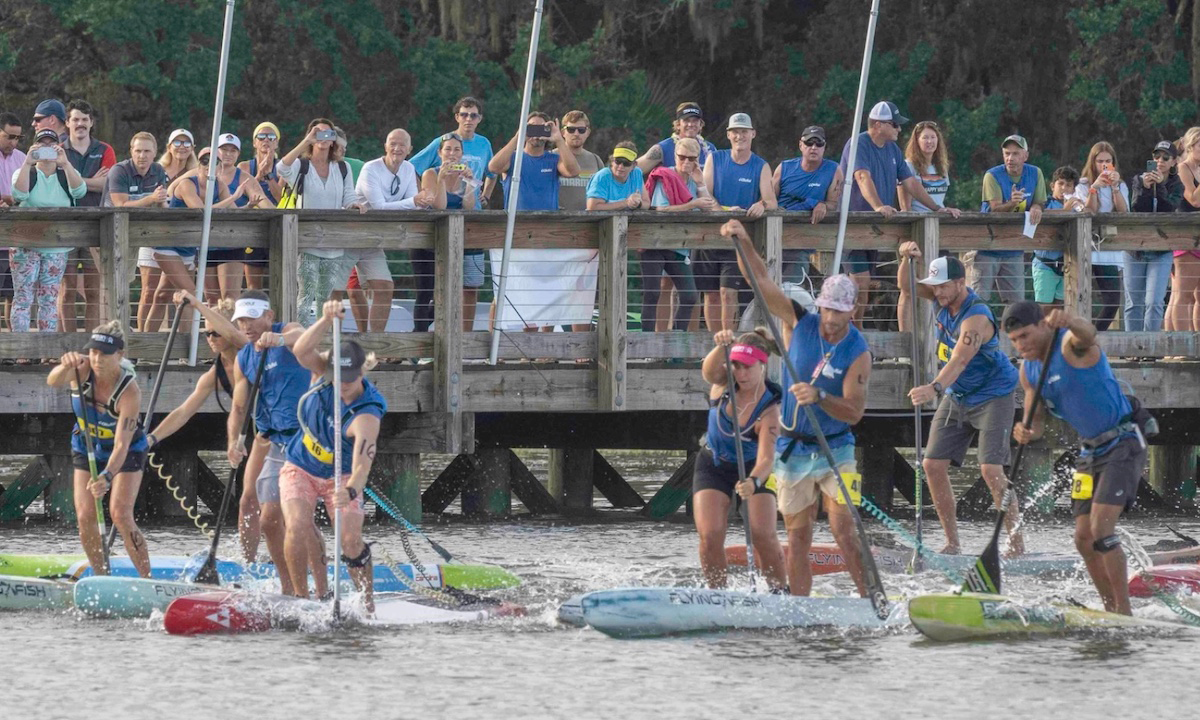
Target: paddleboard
column 1168, row 578
column 826, row 558
column 124, row 597
column 647, row 612
column 26, row 593
column 974, row 616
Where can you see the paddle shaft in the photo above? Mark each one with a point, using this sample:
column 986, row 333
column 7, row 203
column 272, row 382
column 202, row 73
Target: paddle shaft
column 731, row 386
column 871, row 577
column 81, row 418
column 919, row 474
column 336, row 356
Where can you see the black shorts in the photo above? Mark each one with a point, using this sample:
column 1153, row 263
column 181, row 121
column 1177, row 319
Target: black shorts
column 706, row 271
column 860, row 261
column 224, row 255
column 721, row 476
column 1110, row 479
column 134, row 462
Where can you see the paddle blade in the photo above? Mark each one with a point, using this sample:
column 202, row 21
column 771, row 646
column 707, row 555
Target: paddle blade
column 207, row 574
column 984, row 575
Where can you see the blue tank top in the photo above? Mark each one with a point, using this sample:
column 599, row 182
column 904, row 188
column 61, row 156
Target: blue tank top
column 311, row 449
column 668, row 151
column 989, row 374
column 266, row 186
column 1089, row 399
column 734, row 184
column 453, row 201
column 233, row 186
column 102, row 419
column 177, row 202
column 720, row 427
column 824, row 366
column 800, row 190
column 1028, row 183
column 284, row 381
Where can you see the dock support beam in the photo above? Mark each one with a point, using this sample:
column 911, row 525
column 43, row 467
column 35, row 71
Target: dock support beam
column 398, row 478
column 488, row 492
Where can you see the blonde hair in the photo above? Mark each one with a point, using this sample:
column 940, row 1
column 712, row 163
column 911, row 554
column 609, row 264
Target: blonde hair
column 143, row 135
column 759, row 339
column 224, row 307
column 1190, row 138
column 913, row 154
column 112, row 327
column 1089, row 168
column 369, row 362
column 690, row 144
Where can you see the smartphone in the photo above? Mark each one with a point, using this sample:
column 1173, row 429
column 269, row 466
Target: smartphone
column 45, row 152
column 537, row 131
column 326, row 135
column 1151, row 166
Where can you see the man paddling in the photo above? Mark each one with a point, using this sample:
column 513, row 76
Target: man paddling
column 1082, row 390
column 834, row 364
column 978, row 381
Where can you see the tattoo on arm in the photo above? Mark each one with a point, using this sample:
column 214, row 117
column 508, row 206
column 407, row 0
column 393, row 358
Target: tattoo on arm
column 654, row 153
column 971, row 338
column 130, row 424
column 368, row 450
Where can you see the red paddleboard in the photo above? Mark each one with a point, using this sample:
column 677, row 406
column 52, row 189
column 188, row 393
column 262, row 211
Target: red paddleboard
column 217, row 612
column 1168, row 578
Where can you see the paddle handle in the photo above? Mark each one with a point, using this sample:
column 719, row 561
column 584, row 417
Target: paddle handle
column 81, row 418
column 336, row 357
column 918, row 429
column 731, row 387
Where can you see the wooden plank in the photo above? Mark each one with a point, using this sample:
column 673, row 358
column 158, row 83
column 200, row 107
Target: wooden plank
column 114, row 251
column 537, row 230
column 1159, row 236
column 447, row 324
column 998, row 236
column 230, row 229
column 438, row 496
column 283, row 242
column 612, row 332
column 1077, row 277
column 694, row 346
column 698, row 234
column 611, row 485
column 353, row 231
column 528, row 489
column 43, row 230
column 1150, row 344
column 864, row 231
column 927, row 235
column 26, row 488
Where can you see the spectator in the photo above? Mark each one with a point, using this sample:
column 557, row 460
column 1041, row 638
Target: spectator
column 543, row 284
column 343, row 142
column 386, row 183
column 321, row 180
column 180, row 156
column 92, row 159
column 738, row 180
column 1147, row 272
column 572, row 192
column 808, row 183
column 11, row 156
column 1185, row 290
column 51, row 115
column 454, row 187
column 619, row 186
column 141, row 182
column 1048, row 264
column 1105, row 192
column 879, row 168
column 1013, row 186
column 178, row 159
column 264, row 167
column 928, row 161
column 689, row 123
column 46, row 179
column 676, row 189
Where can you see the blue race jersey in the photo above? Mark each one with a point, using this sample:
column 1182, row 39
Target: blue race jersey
column 1089, row 399
column 102, row 420
column 720, row 427
column 312, row 449
column 284, row 381
column 989, row 374
column 824, row 366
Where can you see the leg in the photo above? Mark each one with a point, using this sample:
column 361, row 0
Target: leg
column 1158, row 274
column 89, row 531
column 1112, row 565
column 69, row 293
column 1134, row 278
column 381, row 303
column 359, row 309
column 685, row 285
column 296, row 515
column 662, row 309
column 254, row 276
column 937, row 475
column 49, row 286
column 710, row 510
column 229, row 278
column 423, row 268
column 25, row 265
column 124, row 495
column 767, row 551
column 651, row 270
column 175, row 276
column 150, row 277
column 353, row 548
column 249, row 510
column 729, row 308
column 799, row 533
column 92, row 289
column 993, row 475
column 842, row 527
column 1010, row 280
column 271, row 520
column 863, row 280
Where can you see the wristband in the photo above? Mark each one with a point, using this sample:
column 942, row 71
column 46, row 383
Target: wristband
column 821, row 395
column 279, row 340
column 151, row 440
column 755, row 481
column 108, row 476
column 352, row 492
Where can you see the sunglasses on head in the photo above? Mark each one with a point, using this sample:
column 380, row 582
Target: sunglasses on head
column 266, row 136
column 685, row 158
column 622, row 162
column 575, row 130
column 814, row 143
column 469, row 115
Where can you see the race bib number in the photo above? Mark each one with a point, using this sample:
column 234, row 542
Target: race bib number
column 314, row 448
column 943, row 352
column 771, row 484
column 854, row 485
column 100, row 432
column 1081, row 486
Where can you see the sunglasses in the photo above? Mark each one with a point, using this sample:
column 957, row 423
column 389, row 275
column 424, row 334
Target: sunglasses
column 469, row 115
column 181, row 143
column 266, row 136
column 1163, row 158
column 18, row 137
column 575, row 130
column 814, row 143
column 622, row 162
column 211, row 334
column 685, row 158
column 395, row 186
column 895, row 125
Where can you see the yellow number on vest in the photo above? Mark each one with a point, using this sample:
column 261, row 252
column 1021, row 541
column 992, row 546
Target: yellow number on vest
column 314, row 448
column 854, row 485
column 944, row 352
column 1081, row 487
column 771, row 484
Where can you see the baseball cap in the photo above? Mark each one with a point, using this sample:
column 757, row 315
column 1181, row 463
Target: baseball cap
column 740, row 120
column 105, row 343
column 688, row 109
column 180, row 132
column 44, row 134
column 49, row 107
column 887, row 111
column 838, row 292
column 229, row 139
column 813, row 131
column 1165, row 146
column 205, row 152
column 944, row 269
column 249, row 308
column 352, row 359
column 1020, row 314
column 1019, row 140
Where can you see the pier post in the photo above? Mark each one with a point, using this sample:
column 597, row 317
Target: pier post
column 926, row 233
column 398, row 478
column 1172, row 470
column 114, row 283
column 60, row 494
column 283, row 244
column 570, row 478
column 488, row 492
column 613, row 301
column 449, row 236
column 1077, row 277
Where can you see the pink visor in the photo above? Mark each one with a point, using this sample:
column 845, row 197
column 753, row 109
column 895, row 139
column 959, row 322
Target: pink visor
column 747, row 354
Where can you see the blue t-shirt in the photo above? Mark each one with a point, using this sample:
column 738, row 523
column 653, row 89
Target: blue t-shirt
column 800, row 190
column 539, row 182
column 1044, row 257
column 668, row 151
column 477, row 153
column 734, row 184
column 886, row 165
column 606, row 188
column 284, row 381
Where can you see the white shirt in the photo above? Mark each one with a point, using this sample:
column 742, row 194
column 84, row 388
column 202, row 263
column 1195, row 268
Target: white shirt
column 375, row 185
column 321, row 193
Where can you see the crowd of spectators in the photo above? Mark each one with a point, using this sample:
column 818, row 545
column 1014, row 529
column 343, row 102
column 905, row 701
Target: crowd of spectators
column 55, row 161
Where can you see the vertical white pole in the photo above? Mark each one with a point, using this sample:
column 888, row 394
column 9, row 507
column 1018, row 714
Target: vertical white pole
column 336, row 359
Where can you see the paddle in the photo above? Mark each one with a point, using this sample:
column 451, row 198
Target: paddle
column 81, row 418
column 871, row 577
column 914, row 563
column 744, row 504
column 984, row 575
column 208, row 574
column 336, row 356
column 394, row 512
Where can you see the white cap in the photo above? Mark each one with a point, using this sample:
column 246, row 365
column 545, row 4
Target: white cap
column 229, row 139
column 740, row 121
column 250, row 308
column 177, row 133
column 887, row 112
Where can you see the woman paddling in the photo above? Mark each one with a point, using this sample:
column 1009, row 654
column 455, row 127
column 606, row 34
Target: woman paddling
column 110, row 400
column 717, row 473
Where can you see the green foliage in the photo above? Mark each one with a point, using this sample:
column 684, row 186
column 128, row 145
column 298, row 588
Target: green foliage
column 889, row 78
column 968, row 132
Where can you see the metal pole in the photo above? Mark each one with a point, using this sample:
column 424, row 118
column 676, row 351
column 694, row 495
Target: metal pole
column 844, row 207
column 202, row 261
column 514, row 190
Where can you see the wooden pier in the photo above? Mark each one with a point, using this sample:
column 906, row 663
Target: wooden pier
column 639, row 390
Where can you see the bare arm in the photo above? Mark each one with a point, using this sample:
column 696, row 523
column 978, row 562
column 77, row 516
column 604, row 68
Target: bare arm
column 651, row 159
column 238, row 408
column 766, row 189
column 215, row 320
column 768, row 432
column 1079, row 347
column 305, row 346
column 1037, row 422
column 501, row 160
column 867, row 188
column 432, row 184
column 713, row 367
column 128, row 408
column 975, row 331
column 909, row 250
column 850, row 407
column 365, row 431
column 180, row 415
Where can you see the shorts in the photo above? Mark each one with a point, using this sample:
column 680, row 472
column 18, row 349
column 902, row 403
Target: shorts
column 722, row 476
column 371, row 264
column 1006, row 275
column 266, row 487
column 146, row 257
column 797, row 481
column 134, row 462
column 217, row 256
column 954, row 426
column 473, row 264
column 1110, row 479
column 860, row 261
column 706, row 270
column 1047, row 284
column 296, row 484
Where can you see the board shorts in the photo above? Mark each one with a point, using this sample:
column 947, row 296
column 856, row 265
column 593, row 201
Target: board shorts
column 297, row 484
column 799, row 481
column 473, row 262
column 722, row 476
column 860, row 261
column 1109, row 479
column 134, row 462
column 266, row 486
column 371, row 264
column 955, row 425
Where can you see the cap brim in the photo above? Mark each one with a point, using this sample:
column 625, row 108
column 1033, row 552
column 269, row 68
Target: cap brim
column 934, row 281
column 900, row 120
column 102, row 347
column 834, row 306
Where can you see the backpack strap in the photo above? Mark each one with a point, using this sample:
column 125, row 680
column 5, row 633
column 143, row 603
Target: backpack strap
column 66, row 185
column 304, row 165
column 345, row 168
